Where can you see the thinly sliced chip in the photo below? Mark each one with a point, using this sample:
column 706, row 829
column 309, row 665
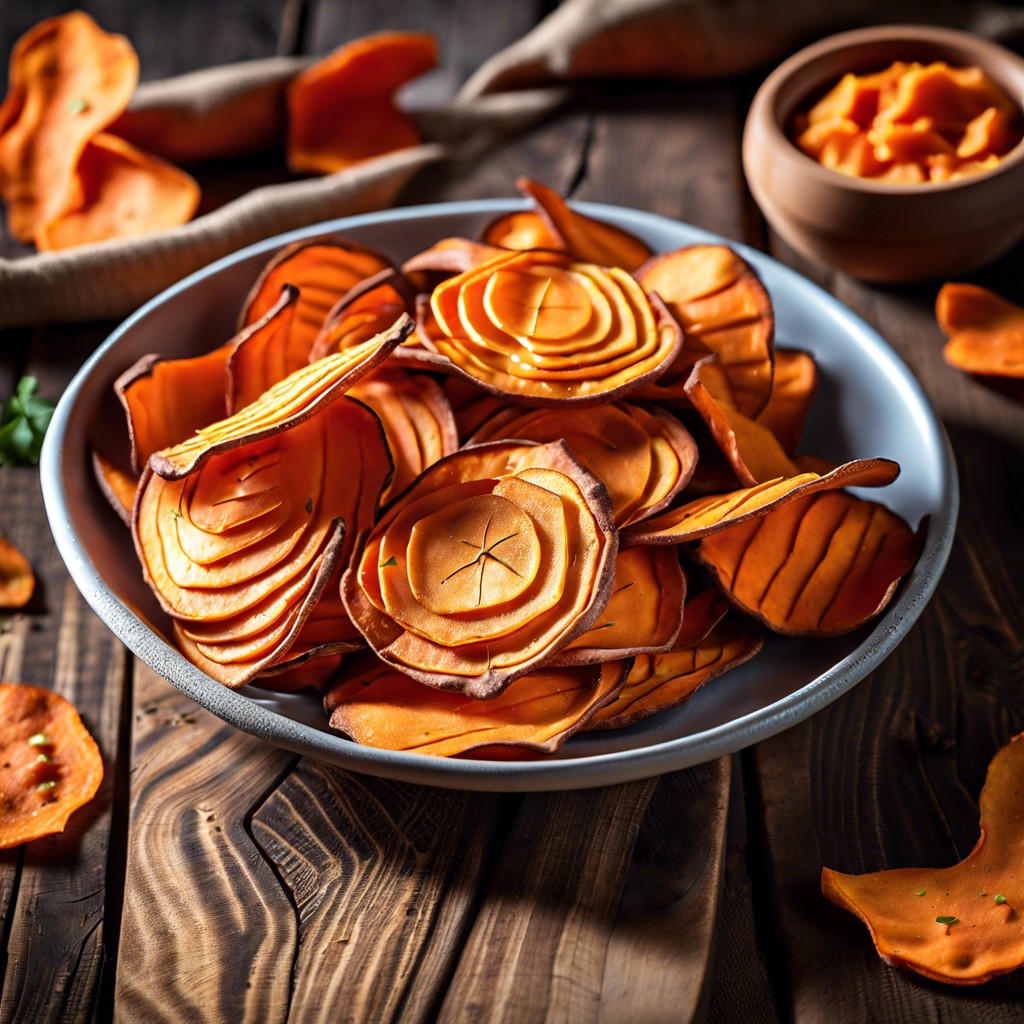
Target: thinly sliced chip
column 818, row 566
column 49, row 764
column 287, row 403
column 643, row 614
column 341, row 111
column 378, row 706
column 260, row 355
column 124, row 193
column 522, row 229
column 17, row 580
column 496, row 558
column 645, row 457
column 417, row 419
column 661, row 681
column 750, row 448
column 589, row 240
column 959, row 925
column 544, row 330
column 794, row 385
column 985, row 332
column 720, row 302
column 323, row 270
column 452, row 256
column 705, row 516
column 117, row 484
column 68, row 80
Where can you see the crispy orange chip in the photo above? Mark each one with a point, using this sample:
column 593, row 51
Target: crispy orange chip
column 17, row 580
column 544, row 329
column 793, row 388
column 985, row 332
column 341, row 111
column 379, row 706
column 49, row 764
column 721, row 304
column 818, row 566
column 125, row 193
column 961, row 924
column 68, row 80
column 496, row 558
column 117, row 484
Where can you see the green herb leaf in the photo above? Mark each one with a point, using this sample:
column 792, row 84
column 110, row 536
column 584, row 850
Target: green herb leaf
column 1000, row 899
column 389, row 562
column 24, row 418
column 983, row 893
column 921, row 893
column 38, row 740
column 78, row 105
column 43, row 786
column 947, row 919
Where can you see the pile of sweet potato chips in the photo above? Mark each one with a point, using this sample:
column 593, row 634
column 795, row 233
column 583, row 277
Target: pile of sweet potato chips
column 453, row 495
column 68, row 177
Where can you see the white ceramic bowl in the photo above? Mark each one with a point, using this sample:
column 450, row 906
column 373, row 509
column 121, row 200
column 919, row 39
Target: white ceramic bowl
column 869, row 404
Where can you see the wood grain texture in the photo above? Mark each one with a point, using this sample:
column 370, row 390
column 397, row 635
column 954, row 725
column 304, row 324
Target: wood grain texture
column 659, row 954
column 383, row 876
column 538, row 945
column 208, row 933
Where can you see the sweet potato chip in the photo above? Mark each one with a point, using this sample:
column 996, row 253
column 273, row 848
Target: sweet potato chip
column 643, row 614
column 704, row 516
column 545, row 330
column 645, row 457
column 818, row 566
column 260, row 354
column 341, row 111
column 323, row 270
column 452, row 256
column 496, row 558
column 287, row 403
column 719, row 301
column 661, row 681
column 417, row 419
column 522, row 229
column 125, row 193
column 750, row 448
column 117, row 484
column 379, row 706
column 793, row 388
column 588, row 240
column 68, row 80
column 49, row 764
column 959, row 925
column 985, row 332
column 17, row 580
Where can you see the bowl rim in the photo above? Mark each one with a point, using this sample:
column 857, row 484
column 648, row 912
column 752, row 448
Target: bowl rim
column 764, row 107
column 521, row 776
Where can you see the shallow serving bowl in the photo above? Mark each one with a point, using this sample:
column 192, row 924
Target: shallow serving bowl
column 869, row 404
column 877, row 230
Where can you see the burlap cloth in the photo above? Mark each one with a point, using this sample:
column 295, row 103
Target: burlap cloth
column 236, row 109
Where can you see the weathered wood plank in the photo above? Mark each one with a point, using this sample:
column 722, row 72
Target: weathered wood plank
column 660, row 949
column 383, row 876
column 208, row 932
column 537, row 949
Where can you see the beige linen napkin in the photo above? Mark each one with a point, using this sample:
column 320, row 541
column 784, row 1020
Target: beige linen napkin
column 238, row 109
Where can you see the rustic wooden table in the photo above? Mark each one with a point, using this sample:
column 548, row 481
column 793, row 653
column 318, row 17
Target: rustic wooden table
column 217, row 878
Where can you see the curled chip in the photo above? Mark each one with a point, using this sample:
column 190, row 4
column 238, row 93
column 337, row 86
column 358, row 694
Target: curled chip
column 49, row 764
column 341, row 110
column 495, row 559
column 379, row 706
column 545, row 329
column 986, row 333
column 960, row 924
column 17, row 580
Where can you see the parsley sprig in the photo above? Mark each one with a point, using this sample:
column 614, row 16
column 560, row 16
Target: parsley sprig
column 24, row 418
